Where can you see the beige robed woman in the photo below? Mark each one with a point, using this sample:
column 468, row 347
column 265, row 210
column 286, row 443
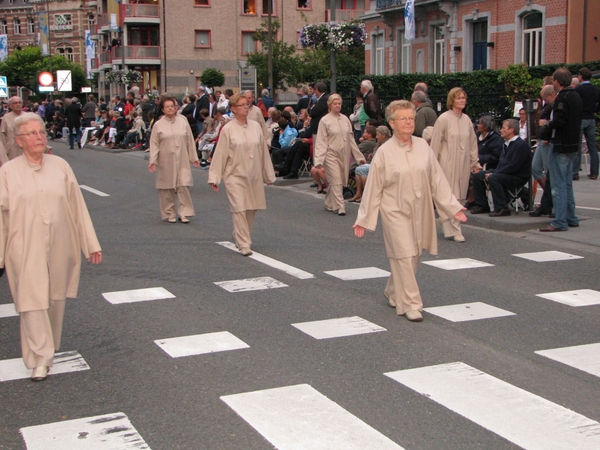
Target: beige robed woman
column 172, row 149
column 44, row 228
column 242, row 161
column 455, row 146
column 335, row 144
column 405, row 180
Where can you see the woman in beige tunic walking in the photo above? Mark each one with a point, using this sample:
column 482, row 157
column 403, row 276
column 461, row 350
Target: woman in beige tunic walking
column 335, row 144
column 455, row 146
column 242, row 162
column 404, row 181
column 172, row 149
column 44, row 228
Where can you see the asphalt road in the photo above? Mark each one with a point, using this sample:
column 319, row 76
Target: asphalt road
column 175, row 403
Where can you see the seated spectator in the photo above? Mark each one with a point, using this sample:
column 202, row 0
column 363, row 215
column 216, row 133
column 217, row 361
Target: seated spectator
column 368, row 143
column 298, row 152
column 355, row 117
column 286, row 134
column 138, row 129
column 209, row 137
column 513, row 171
column 121, row 128
column 382, row 134
column 272, row 122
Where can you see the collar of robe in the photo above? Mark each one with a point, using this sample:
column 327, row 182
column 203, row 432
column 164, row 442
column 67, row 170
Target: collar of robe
column 34, row 165
column 404, row 144
column 242, row 124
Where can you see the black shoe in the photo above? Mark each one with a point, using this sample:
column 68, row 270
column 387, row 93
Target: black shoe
column 500, row 213
column 314, row 185
column 469, row 205
column 538, row 213
column 279, row 167
column 79, row 144
column 575, row 177
column 480, row 210
column 291, row 176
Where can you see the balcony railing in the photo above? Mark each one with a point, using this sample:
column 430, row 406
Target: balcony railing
column 384, row 4
column 139, row 11
column 136, row 52
column 344, row 15
column 105, row 58
column 103, row 20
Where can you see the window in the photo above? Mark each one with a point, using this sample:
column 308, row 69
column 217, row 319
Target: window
column 249, row 6
column 350, row 4
column 249, row 45
column 532, row 39
column 17, row 25
column 91, row 21
column 30, row 25
column 3, row 27
column 65, row 51
column 265, row 7
column 404, row 65
column 201, row 2
column 439, row 50
column 304, row 4
column 202, row 39
column 378, row 54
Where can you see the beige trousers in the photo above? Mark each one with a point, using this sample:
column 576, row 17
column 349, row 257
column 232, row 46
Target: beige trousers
column 450, row 225
column 242, row 227
column 41, row 331
column 166, row 198
column 334, row 199
column 402, row 285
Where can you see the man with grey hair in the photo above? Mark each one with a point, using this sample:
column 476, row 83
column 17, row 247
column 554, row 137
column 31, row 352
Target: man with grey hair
column 513, row 171
column 426, row 116
column 202, row 103
column 254, row 113
column 371, row 104
column 8, row 147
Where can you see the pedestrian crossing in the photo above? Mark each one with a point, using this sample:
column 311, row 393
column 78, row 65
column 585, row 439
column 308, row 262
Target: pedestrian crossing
column 299, row 416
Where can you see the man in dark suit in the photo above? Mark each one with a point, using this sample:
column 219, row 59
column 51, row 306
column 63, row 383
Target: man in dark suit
column 513, row 171
column 73, row 113
column 201, row 103
column 320, row 108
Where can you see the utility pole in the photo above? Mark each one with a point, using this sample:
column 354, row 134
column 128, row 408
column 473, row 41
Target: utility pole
column 332, row 84
column 270, row 52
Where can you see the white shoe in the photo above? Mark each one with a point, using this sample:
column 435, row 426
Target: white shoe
column 40, row 373
column 459, row 238
column 172, row 220
column 184, row 219
column 391, row 302
column 245, row 251
column 414, row 316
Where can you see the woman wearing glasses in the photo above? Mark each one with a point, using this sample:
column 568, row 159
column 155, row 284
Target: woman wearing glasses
column 241, row 160
column 404, row 181
column 44, row 228
column 455, row 146
column 172, row 149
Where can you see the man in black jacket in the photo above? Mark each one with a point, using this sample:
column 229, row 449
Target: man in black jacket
column 566, row 127
column 73, row 113
column 201, row 103
column 590, row 95
column 318, row 109
column 513, row 171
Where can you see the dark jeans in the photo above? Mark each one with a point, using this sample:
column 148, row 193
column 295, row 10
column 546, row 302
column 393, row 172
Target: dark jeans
column 74, row 136
column 498, row 184
column 293, row 160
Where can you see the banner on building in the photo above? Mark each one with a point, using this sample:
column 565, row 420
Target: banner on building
column 3, row 46
column 43, row 35
column 409, row 20
column 90, row 53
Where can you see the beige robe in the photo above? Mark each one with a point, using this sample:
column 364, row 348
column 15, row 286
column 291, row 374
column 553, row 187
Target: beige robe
column 255, row 114
column 402, row 186
column 8, row 147
column 455, row 146
column 44, row 228
column 242, row 161
column 172, row 149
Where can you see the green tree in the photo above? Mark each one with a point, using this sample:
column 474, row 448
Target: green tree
column 212, row 78
column 23, row 67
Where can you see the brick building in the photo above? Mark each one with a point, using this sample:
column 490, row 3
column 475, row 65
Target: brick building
column 465, row 35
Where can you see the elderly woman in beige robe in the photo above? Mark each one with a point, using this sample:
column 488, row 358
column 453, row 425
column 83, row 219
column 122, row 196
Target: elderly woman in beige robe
column 455, row 146
column 241, row 160
column 44, row 228
column 172, row 149
column 335, row 144
column 405, row 180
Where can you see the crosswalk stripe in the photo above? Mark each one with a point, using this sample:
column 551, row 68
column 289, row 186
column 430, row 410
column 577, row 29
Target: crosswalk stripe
column 106, row 432
column 362, row 273
column 521, row 417
column 579, row 297
column 548, row 256
column 8, row 310
column 290, row 270
column 333, row 328
column 468, row 311
column 137, row 295
column 200, row 344
column 300, row 417
column 94, row 191
column 250, row 284
column 64, row 362
column 457, row 263
column 583, row 357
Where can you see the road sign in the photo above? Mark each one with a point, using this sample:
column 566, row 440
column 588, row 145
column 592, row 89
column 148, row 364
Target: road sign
column 46, row 79
column 3, row 87
column 63, row 80
column 46, row 88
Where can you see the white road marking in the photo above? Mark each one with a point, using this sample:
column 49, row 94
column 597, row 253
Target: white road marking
column 587, row 207
column 300, row 417
column 137, row 295
column 94, row 191
column 333, row 328
column 579, row 297
column 64, row 362
column 200, row 344
column 290, row 270
column 250, row 284
column 468, row 311
column 547, row 256
column 458, row 263
column 107, row 432
column 361, row 273
column 582, row 357
column 518, row 416
column 8, row 310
